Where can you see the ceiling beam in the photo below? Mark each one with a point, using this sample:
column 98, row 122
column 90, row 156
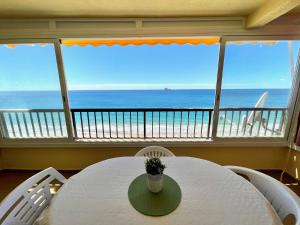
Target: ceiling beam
column 270, row 10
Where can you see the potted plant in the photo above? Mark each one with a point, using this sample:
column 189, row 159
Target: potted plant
column 154, row 169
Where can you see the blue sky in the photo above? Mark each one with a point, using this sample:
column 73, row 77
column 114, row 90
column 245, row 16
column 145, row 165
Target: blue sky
column 146, row 67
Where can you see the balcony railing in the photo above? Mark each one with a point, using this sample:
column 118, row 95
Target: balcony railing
column 252, row 122
column 37, row 123
column 142, row 123
column 151, row 123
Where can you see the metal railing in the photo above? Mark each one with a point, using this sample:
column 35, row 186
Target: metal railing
column 142, row 123
column 252, row 122
column 36, row 123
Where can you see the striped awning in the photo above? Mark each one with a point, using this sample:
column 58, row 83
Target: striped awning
column 32, row 45
column 141, row 41
column 252, row 42
column 146, row 41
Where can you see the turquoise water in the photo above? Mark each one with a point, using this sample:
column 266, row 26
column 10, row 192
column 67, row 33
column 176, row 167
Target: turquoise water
column 142, row 99
column 118, row 122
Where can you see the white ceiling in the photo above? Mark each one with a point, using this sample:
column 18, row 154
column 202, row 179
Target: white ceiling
column 125, row 8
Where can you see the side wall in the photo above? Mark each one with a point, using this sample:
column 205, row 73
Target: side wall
column 79, row 158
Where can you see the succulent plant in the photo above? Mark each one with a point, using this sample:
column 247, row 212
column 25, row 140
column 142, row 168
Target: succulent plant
column 154, row 166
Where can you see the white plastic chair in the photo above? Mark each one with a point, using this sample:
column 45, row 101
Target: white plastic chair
column 255, row 116
column 27, row 201
column 284, row 201
column 248, row 122
column 154, row 151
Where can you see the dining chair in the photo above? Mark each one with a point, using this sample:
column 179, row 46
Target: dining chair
column 154, row 151
column 284, row 201
column 27, row 201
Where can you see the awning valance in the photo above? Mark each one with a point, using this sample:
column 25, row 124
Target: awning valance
column 147, row 41
column 141, row 41
column 30, row 45
column 252, row 42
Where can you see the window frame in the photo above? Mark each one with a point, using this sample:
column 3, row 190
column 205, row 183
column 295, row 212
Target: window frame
column 295, row 91
column 217, row 141
column 63, row 88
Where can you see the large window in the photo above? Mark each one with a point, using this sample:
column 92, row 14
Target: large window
column 30, row 97
column 161, row 78
column 148, row 89
column 257, row 81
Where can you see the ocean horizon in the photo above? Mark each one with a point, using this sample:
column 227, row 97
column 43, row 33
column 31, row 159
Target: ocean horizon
column 169, row 98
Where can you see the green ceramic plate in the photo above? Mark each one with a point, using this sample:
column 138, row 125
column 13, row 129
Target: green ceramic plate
column 154, row 204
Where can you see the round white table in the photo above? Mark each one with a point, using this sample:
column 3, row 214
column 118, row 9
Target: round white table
column 211, row 195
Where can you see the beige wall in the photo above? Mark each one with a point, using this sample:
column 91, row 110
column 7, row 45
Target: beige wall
column 78, row 158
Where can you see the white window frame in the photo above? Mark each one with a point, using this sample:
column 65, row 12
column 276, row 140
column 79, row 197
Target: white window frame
column 63, row 90
column 292, row 111
column 217, row 141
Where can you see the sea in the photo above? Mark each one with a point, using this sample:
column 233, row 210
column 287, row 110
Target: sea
column 110, row 124
column 141, row 98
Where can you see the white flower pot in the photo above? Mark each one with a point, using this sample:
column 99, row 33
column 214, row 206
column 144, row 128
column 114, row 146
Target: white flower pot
column 155, row 182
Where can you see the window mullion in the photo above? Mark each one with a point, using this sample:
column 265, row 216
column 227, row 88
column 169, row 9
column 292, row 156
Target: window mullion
column 218, row 88
column 64, row 89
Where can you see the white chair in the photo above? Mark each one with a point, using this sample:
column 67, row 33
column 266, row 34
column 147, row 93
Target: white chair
column 284, row 201
column 248, row 122
column 255, row 116
column 27, row 201
column 154, row 151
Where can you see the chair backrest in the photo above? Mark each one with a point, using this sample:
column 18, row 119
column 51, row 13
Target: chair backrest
column 154, row 151
column 255, row 115
column 26, row 202
column 284, row 201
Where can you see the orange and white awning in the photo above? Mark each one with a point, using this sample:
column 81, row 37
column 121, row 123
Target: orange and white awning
column 146, row 41
column 141, row 41
column 252, row 42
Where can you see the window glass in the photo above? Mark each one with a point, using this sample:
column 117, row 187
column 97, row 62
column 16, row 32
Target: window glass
column 139, row 77
column 257, row 83
column 30, row 98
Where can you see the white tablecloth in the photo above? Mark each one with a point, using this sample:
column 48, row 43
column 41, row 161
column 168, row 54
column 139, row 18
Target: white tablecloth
column 211, row 195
